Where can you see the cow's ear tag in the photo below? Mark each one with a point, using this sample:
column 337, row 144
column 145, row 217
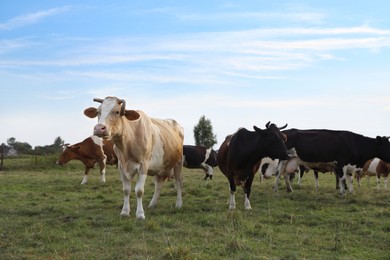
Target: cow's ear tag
column 132, row 115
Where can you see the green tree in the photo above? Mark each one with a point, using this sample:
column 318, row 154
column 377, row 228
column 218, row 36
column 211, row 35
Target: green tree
column 203, row 133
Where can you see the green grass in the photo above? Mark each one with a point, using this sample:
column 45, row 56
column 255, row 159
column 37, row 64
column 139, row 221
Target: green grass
column 46, row 214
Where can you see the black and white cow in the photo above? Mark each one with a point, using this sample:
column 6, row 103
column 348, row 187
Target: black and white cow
column 240, row 154
column 197, row 156
column 342, row 147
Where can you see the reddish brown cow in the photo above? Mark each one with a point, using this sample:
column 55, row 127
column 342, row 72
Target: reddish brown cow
column 90, row 151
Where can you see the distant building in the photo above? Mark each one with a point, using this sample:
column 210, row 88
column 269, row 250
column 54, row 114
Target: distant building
column 9, row 151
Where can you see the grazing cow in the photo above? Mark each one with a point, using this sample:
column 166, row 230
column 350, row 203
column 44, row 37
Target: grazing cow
column 379, row 168
column 90, row 151
column 240, row 154
column 268, row 168
column 200, row 157
column 343, row 147
column 144, row 146
column 293, row 165
column 316, row 167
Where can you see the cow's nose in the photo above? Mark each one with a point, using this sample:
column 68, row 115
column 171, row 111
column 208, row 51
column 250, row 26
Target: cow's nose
column 100, row 130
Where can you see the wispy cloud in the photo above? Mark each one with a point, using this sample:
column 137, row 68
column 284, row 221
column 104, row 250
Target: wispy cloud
column 207, row 57
column 31, row 18
column 311, row 17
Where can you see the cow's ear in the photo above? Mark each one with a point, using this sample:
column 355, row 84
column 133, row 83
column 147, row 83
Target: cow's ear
column 132, row 115
column 381, row 139
column 258, row 130
column 74, row 147
column 90, row 112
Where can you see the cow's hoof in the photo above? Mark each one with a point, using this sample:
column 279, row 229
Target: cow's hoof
column 141, row 216
column 125, row 214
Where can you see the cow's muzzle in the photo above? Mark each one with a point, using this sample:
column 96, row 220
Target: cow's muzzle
column 100, row 130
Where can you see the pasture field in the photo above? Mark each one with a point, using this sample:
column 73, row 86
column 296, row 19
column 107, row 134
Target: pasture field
column 46, row 214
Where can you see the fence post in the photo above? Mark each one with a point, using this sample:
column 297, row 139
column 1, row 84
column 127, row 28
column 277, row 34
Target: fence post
column 2, row 157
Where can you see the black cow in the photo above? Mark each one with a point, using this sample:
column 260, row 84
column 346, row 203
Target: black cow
column 343, row 147
column 240, row 154
column 196, row 156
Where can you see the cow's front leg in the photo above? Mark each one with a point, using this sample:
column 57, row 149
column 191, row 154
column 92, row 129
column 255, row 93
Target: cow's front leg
column 247, row 191
column 139, row 192
column 85, row 179
column 280, row 168
column 232, row 200
column 102, row 165
column 126, row 194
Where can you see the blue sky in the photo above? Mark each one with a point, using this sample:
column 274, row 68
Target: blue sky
column 311, row 64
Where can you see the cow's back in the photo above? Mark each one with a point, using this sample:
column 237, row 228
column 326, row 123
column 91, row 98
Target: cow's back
column 222, row 156
column 319, row 145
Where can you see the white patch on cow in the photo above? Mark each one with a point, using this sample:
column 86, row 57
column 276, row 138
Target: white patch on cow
column 271, row 169
column 97, row 140
column 373, row 165
column 106, row 108
column 207, row 155
column 157, row 158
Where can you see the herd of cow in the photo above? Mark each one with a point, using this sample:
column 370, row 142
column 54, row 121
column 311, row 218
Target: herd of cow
column 140, row 145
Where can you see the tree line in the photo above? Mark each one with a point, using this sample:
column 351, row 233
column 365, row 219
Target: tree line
column 26, row 148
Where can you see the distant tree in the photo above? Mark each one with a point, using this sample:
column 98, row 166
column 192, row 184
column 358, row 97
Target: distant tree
column 21, row 147
column 58, row 142
column 50, row 149
column 11, row 141
column 203, row 133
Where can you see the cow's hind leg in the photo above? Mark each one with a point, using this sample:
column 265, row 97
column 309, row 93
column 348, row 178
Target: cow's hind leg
column 179, row 184
column 158, row 184
column 126, row 194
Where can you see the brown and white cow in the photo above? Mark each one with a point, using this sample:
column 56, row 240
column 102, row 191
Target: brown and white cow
column 90, row 151
column 378, row 168
column 144, row 146
column 240, row 154
column 288, row 168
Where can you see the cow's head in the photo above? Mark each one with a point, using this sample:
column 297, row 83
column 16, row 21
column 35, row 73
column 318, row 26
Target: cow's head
column 383, row 148
column 68, row 153
column 274, row 141
column 111, row 114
